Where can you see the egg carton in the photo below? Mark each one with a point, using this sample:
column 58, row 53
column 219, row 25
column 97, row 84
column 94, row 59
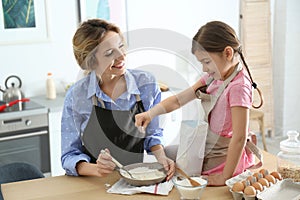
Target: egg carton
column 282, row 189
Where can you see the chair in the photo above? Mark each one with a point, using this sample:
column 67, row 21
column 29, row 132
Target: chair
column 258, row 116
column 18, row 171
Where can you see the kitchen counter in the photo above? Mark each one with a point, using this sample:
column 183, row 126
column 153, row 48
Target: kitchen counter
column 54, row 105
column 72, row 188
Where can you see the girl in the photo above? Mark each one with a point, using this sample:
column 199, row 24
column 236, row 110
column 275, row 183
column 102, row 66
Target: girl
column 226, row 95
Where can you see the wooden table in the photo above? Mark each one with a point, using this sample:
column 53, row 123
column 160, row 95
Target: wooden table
column 72, row 188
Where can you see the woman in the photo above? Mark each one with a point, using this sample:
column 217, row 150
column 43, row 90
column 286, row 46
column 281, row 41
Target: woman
column 226, row 95
column 99, row 109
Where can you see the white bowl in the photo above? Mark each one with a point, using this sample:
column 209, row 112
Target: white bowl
column 186, row 190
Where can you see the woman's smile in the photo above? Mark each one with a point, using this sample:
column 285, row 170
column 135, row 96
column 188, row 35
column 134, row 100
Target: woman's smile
column 119, row 65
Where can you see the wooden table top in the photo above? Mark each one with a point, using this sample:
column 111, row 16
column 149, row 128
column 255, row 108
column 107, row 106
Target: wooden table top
column 73, row 188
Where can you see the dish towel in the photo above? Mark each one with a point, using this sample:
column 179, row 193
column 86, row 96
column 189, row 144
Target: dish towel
column 122, row 187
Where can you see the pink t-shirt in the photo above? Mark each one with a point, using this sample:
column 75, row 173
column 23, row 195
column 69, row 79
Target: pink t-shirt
column 237, row 93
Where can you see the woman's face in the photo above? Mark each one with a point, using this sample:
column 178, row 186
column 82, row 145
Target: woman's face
column 110, row 56
column 215, row 64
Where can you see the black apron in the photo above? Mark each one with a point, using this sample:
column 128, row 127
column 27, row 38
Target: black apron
column 115, row 130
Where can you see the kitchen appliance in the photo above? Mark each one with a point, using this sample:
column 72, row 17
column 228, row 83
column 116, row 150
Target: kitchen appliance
column 13, row 93
column 24, row 136
column 3, row 106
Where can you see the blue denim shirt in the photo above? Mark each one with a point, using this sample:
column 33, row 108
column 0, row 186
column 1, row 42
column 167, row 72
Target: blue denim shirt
column 78, row 107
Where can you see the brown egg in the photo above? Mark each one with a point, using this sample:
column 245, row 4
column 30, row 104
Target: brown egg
column 270, row 178
column 238, row 187
column 258, row 186
column 264, row 172
column 277, row 175
column 251, row 179
column 264, row 182
column 246, row 183
column 250, row 190
column 258, row 175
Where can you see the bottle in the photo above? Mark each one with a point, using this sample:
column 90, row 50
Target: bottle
column 51, row 90
column 288, row 159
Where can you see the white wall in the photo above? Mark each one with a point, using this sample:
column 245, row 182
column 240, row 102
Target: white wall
column 173, row 24
column 292, row 73
column 286, row 66
column 32, row 61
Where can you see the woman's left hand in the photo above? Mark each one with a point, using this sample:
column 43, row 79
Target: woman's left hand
column 215, row 180
column 169, row 166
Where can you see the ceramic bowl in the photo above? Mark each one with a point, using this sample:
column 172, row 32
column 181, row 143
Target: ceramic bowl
column 144, row 174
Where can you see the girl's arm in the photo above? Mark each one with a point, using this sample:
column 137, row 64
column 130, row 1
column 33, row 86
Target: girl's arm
column 167, row 105
column 240, row 123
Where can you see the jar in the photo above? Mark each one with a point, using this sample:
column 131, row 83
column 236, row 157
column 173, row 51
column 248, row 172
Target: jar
column 288, row 159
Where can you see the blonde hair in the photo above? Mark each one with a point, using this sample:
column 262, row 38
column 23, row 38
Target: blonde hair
column 86, row 39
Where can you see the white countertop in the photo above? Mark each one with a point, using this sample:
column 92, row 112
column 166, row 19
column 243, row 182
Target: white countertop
column 53, row 105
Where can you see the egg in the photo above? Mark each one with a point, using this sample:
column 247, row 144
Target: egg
column 258, row 186
column 246, row 183
column 264, row 172
column 277, row 175
column 270, row 178
column 250, row 190
column 264, row 182
column 251, row 179
column 258, row 175
column 238, row 187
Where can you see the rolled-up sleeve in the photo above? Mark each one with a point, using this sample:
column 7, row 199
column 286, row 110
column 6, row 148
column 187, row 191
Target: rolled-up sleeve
column 154, row 132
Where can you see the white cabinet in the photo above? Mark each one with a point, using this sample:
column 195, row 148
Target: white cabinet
column 55, row 142
column 54, row 107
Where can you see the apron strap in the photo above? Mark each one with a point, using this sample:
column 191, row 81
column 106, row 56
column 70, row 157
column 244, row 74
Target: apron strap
column 227, row 81
column 256, row 151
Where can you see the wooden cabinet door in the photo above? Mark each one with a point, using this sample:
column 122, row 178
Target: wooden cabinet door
column 255, row 34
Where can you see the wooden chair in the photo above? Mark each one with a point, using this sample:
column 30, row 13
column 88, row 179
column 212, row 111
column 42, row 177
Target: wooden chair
column 258, row 116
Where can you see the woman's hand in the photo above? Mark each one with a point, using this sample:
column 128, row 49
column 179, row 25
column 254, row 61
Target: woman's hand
column 215, row 180
column 161, row 157
column 105, row 165
column 169, row 166
column 142, row 120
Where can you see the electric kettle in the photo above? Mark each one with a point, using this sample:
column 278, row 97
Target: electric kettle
column 13, row 93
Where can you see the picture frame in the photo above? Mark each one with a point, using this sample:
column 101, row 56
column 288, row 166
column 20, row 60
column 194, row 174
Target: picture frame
column 116, row 12
column 23, row 21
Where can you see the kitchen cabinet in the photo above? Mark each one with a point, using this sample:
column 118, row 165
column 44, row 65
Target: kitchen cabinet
column 54, row 107
column 55, row 143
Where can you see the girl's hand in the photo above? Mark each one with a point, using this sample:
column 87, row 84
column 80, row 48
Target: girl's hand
column 215, row 180
column 105, row 165
column 142, row 120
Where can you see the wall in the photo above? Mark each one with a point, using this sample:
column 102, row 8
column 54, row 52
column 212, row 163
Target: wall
column 32, row 61
column 286, row 70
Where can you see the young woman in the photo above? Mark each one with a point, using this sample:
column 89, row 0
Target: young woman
column 99, row 109
column 226, row 95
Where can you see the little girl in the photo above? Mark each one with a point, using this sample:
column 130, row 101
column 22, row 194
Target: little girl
column 226, row 96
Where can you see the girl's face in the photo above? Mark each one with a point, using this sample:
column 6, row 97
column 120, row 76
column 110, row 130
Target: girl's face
column 110, row 56
column 218, row 65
